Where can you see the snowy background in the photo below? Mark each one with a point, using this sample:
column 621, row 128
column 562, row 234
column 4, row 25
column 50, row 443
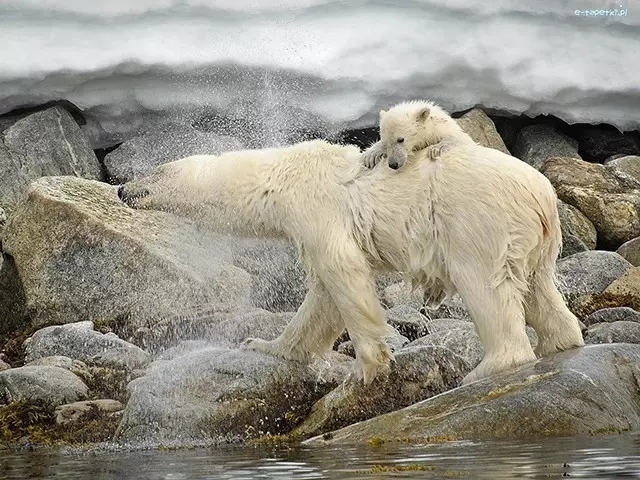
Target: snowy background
column 318, row 64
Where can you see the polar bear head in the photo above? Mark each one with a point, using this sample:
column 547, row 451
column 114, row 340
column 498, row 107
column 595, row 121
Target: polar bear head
column 412, row 126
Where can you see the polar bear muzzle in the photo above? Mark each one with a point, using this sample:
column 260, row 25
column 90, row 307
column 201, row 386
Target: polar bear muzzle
column 131, row 194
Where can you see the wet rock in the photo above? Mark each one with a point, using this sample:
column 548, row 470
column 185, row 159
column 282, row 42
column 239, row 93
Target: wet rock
column 50, row 385
column 461, row 338
column 12, row 297
column 610, row 315
column 3, row 221
column 279, row 281
column 586, row 391
column 45, row 143
column 225, row 394
column 80, row 342
column 482, row 130
column 408, row 321
column 615, row 332
column 347, row 348
column 631, row 251
column 588, row 272
column 626, row 168
column 222, row 327
column 598, row 143
column 537, row 143
column 74, row 366
column 452, row 307
column 77, row 411
column 4, row 366
column 84, row 255
column 610, row 204
column 138, row 156
column 418, row 373
column 400, row 294
column 578, row 233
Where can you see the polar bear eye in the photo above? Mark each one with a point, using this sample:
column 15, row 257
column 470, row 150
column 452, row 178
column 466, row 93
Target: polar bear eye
column 401, row 140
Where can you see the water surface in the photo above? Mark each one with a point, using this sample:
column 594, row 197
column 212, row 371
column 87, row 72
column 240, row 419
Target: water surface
column 602, row 457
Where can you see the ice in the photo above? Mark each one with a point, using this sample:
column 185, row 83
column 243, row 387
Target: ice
column 339, row 61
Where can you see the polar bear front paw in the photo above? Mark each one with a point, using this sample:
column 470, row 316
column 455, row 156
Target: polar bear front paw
column 432, row 152
column 373, row 155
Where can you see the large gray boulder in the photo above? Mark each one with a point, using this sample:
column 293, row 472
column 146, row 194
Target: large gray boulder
column 589, row 272
column 45, row 143
column 79, row 341
column 51, row 385
column 586, row 391
column 81, row 254
column 138, row 156
column 536, row 143
column 417, row 373
column 482, row 130
column 221, row 394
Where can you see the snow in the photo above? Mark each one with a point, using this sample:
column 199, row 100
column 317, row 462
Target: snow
column 339, row 61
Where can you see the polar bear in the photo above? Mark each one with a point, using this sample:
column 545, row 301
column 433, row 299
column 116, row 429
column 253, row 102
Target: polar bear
column 521, row 248
column 459, row 222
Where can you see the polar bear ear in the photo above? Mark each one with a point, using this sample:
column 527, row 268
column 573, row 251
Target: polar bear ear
column 382, row 113
column 423, row 114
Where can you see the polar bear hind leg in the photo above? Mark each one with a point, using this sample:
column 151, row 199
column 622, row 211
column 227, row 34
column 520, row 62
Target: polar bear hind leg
column 557, row 328
column 498, row 315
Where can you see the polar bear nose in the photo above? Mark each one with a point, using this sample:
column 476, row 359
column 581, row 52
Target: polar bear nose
column 394, row 165
column 130, row 195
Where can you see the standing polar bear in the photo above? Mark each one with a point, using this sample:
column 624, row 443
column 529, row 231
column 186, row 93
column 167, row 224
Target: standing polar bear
column 474, row 221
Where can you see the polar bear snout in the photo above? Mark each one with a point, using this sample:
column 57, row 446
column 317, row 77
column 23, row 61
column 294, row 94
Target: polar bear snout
column 131, row 194
column 394, row 165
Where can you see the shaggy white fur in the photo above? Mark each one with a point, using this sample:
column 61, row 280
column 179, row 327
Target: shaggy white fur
column 474, row 221
column 497, row 231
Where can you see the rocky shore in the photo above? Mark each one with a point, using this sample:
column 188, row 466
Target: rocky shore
column 124, row 325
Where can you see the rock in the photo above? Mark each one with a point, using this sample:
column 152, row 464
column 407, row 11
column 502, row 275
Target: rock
column 3, row 221
column 221, row 327
column 138, row 156
column 45, row 143
column 80, row 342
column 612, row 207
column 74, row 366
column 84, row 255
column 418, row 373
column 631, row 251
column 77, row 411
column 627, row 169
column 12, row 297
column 588, row 273
column 224, row 394
column 598, row 143
column 347, row 348
column 400, row 294
column 586, row 391
column 451, row 308
column 614, row 332
column 537, row 143
column 408, row 321
column 578, row 233
column 610, row 315
column 627, row 287
column 279, row 281
column 51, row 385
column 459, row 337
column 4, row 366
column 482, row 130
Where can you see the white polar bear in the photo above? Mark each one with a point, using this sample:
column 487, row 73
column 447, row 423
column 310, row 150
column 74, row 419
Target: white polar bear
column 516, row 249
column 473, row 222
